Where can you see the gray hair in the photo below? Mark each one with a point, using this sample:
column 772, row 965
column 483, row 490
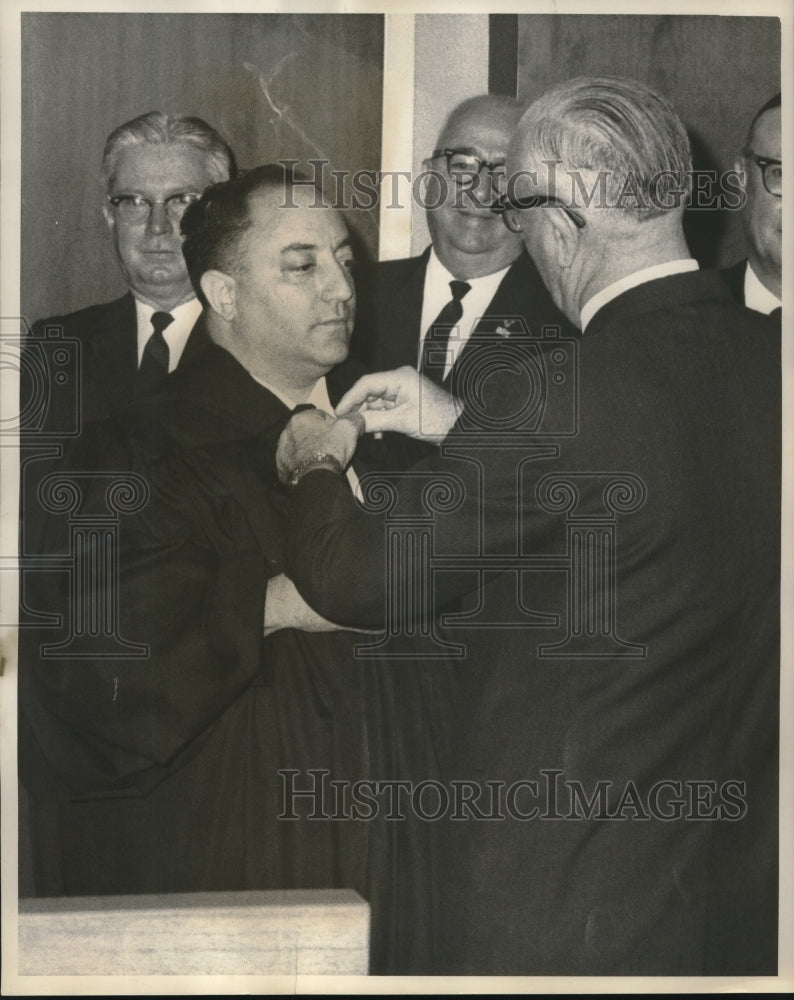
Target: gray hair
column 617, row 128
column 158, row 128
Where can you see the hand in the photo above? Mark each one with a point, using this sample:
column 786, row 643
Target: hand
column 403, row 401
column 313, row 432
column 285, row 608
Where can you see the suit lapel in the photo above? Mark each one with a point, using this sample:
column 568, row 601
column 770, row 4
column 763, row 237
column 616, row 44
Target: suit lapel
column 400, row 288
column 113, row 351
column 522, row 304
column 114, row 340
column 734, row 277
column 502, row 317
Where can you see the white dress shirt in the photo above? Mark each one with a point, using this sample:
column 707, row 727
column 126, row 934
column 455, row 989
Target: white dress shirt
column 756, row 295
column 600, row 299
column 175, row 334
column 437, row 294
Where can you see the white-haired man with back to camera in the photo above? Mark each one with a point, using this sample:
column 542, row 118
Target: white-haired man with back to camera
column 624, row 741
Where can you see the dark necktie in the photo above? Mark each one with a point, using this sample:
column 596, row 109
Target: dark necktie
column 154, row 362
column 434, row 348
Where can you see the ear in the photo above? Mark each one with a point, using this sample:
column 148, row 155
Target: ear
column 566, row 235
column 219, row 290
column 740, row 166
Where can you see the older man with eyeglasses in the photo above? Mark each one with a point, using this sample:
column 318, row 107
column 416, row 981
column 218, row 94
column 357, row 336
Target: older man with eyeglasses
column 631, row 718
column 475, row 276
column 757, row 281
column 153, row 167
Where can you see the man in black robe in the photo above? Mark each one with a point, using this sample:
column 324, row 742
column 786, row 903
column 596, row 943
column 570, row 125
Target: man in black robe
column 156, row 721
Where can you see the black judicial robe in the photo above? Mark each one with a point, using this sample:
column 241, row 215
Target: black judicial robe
column 160, row 773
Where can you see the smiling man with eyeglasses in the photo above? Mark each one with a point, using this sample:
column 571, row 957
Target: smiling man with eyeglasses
column 475, row 277
column 756, row 282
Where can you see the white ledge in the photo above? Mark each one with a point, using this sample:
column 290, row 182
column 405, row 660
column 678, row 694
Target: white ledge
column 289, row 932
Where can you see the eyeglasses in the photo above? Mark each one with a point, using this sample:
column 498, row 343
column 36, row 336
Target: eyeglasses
column 134, row 208
column 464, row 167
column 509, row 210
column 771, row 173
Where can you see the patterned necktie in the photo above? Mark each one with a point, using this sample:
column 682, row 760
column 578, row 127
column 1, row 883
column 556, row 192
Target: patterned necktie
column 434, row 348
column 154, row 363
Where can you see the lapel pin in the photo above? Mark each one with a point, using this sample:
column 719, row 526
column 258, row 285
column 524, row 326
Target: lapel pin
column 506, row 329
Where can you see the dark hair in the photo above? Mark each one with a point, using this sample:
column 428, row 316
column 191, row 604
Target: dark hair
column 156, row 128
column 214, row 227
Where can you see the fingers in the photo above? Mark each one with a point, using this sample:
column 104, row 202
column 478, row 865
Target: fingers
column 357, row 419
column 378, row 421
column 379, row 385
column 341, row 437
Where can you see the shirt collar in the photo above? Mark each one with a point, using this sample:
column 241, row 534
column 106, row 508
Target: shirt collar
column 600, row 299
column 438, row 274
column 317, row 397
column 175, row 334
column 756, row 295
column 190, row 309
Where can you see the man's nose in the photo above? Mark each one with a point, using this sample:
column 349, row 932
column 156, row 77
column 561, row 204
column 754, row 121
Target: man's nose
column 492, row 183
column 338, row 284
column 158, row 221
column 483, row 191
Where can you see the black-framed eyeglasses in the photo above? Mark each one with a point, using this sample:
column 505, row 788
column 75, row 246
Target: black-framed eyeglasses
column 464, row 166
column 134, row 208
column 771, row 172
column 509, row 209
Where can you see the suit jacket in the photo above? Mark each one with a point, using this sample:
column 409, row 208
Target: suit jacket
column 83, row 371
column 389, row 318
column 161, row 773
column 622, row 642
column 734, row 278
column 103, row 342
column 388, row 326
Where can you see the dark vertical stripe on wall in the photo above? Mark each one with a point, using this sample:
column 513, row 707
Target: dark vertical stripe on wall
column 503, row 54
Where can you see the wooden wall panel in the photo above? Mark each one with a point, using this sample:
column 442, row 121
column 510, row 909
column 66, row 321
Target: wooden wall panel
column 716, row 71
column 84, row 74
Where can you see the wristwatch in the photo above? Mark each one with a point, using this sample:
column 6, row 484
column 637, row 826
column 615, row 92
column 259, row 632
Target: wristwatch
column 322, row 460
